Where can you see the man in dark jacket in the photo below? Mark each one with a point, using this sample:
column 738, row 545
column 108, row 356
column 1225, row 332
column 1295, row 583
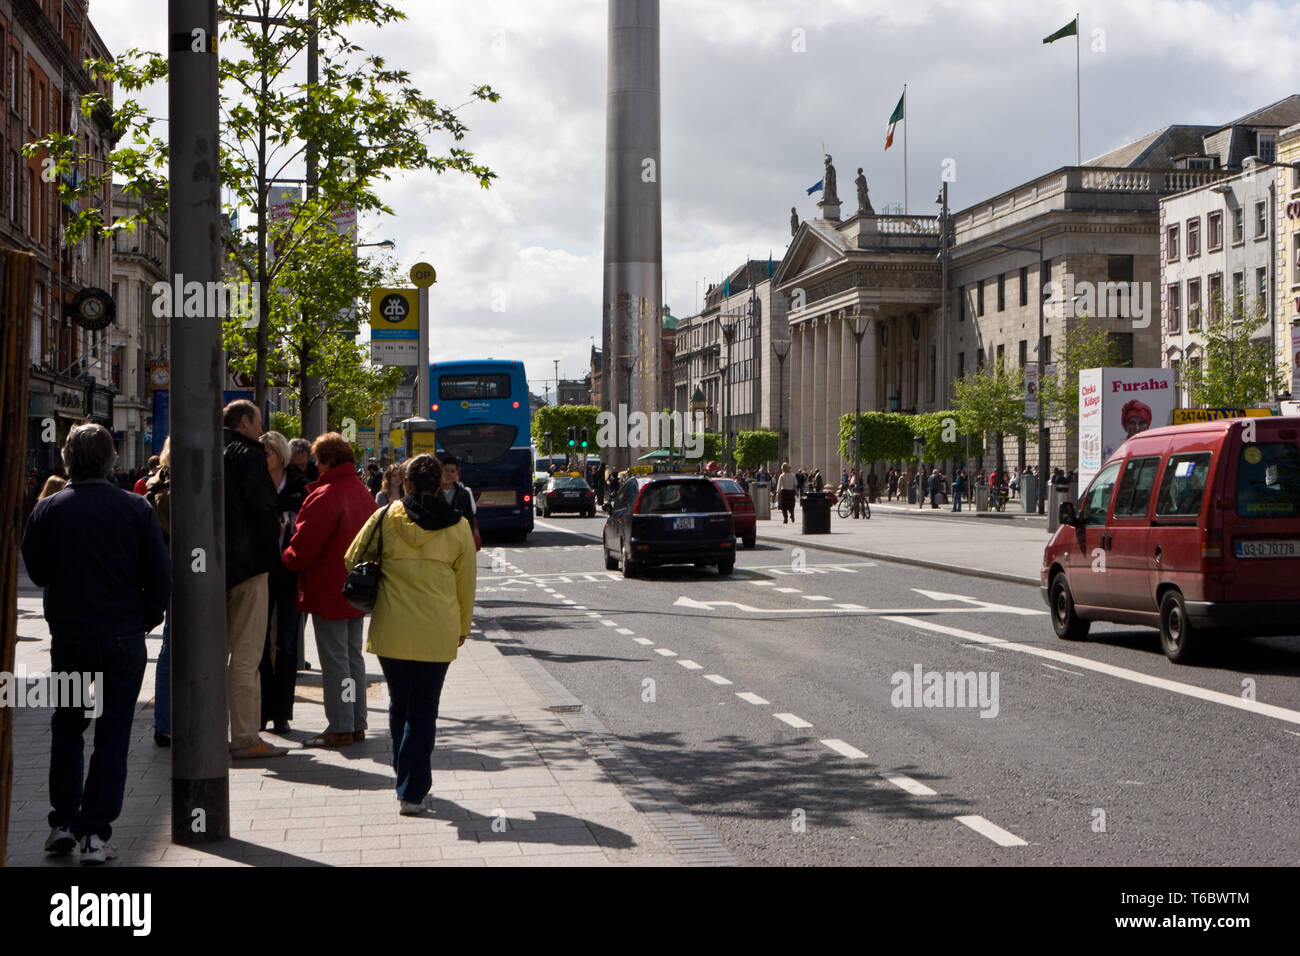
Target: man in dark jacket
column 460, row 496
column 98, row 552
column 252, row 542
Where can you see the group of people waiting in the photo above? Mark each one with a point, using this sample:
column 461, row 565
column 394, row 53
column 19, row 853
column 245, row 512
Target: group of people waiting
column 298, row 518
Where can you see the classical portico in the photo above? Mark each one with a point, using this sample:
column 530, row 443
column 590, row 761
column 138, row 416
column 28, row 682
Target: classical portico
column 874, row 271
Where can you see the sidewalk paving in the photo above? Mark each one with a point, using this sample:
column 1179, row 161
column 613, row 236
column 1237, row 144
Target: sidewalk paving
column 1004, row 546
column 515, row 782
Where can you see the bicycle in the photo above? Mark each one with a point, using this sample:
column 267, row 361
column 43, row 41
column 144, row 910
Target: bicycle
column 851, row 501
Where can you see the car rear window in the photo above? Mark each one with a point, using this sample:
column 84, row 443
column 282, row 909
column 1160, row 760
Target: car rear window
column 569, row 482
column 1268, row 480
column 675, row 497
column 1182, row 490
column 729, row 488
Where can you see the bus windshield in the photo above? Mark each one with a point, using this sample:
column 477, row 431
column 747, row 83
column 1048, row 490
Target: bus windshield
column 477, row 444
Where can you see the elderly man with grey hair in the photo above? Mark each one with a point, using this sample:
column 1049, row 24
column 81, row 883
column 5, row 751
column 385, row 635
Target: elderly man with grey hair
column 98, row 552
column 300, row 458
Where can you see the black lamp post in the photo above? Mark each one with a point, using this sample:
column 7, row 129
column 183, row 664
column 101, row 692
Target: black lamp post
column 728, row 334
column 859, row 329
column 780, row 350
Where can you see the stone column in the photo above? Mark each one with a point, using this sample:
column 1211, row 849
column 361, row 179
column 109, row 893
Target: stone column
column 818, row 396
column 833, row 399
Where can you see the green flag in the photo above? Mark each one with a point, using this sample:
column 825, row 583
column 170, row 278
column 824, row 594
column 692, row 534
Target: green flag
column 1071, row 29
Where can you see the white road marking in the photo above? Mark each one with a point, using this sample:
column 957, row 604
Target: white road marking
column 608, row 623
column 792, row 720
column 983, row 605
column 815, row 597
column 1054, row 667
column 851, row 607
column 665, row 652
column 717, row 678
column 788, row 590
column 991, row 830
column 690, row 665
column 903, row 782
column 594, row 614
column 1124, row 673
column 580, row 607
column 763, row 584
column 749, row 698
column 570, row 602
column 625, row 630
column 845, row 750
column 644, row 640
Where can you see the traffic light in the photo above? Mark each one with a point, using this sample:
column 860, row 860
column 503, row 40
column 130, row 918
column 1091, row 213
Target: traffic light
column 584, row 438
column 573, row 436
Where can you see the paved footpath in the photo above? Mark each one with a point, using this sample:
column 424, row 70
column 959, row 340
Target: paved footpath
column 522, row 777
column 1005, row 546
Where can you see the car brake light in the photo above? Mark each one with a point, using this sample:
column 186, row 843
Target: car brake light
column 636, row 505
column 527, row 498
column 1212, row 545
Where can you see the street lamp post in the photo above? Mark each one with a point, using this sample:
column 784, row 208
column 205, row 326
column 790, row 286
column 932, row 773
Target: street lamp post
column 781, row 350
column 728, row 333
column 859, row 329
column 1042, row 444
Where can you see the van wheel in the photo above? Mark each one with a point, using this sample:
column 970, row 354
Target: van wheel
column 1179, row 641
column 1067, row 625
column 611, row 562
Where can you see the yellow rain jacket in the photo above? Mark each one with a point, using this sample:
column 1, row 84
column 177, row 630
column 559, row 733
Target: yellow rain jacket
column 426, row 589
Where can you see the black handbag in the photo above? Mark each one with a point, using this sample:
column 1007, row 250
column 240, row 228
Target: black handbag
column 361, row 589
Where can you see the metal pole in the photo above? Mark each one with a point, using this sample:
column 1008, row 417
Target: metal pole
column 857, row 427
column 1042, row 444
column 943, row 285
column 318, row 417
column 200, row 762
column 1078, row 122
column 907, row 111
column 423, row 377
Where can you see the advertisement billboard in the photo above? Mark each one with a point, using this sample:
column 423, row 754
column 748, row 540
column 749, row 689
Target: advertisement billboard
column 1116, row 403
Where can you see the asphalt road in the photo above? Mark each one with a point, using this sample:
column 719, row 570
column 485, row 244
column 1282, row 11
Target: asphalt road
column 772, row 703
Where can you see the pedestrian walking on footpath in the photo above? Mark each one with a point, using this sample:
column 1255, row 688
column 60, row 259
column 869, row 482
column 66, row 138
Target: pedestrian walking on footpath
column 422, row 614
column 279, row 665
column 151, row 469
column 336, row 507
column 958, row 489
column 936, row 488
column 801, row 479
column 98, row 552
column 787, row 488
column 392, row 490
column 158, row 493
column 460, row 496
column 252, row 533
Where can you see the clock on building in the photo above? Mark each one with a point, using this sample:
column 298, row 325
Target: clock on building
column 93, row 309
column 160, row 376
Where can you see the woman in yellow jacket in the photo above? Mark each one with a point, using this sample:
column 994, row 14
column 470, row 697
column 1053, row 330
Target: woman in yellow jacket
column 421, row 616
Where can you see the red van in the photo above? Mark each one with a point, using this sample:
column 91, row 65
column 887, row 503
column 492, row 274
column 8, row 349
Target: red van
column 1194, row 529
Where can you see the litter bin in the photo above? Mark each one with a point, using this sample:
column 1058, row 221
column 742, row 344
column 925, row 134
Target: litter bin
column 911, row 492
column 759, row 492
column 816, row 513
column 1058, row 494
column 1029, row 493
column 982, row 496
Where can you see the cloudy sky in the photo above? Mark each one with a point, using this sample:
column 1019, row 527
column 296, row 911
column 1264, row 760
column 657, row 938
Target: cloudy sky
column 751, row 91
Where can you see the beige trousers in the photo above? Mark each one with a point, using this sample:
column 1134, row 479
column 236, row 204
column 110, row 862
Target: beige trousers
column 246, row 609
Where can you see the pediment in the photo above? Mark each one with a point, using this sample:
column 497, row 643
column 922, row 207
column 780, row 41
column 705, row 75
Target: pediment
column 809, row 250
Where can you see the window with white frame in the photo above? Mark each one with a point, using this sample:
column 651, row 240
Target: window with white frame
column 1174, row 294
column 1171, row 243
column 1238, row 225
column 1193, row 303
column 1213, row 231
column 1261, row 219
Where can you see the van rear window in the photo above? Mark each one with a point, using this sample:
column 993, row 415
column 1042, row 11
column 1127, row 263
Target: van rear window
column 1268, row 480
column 1182, row 490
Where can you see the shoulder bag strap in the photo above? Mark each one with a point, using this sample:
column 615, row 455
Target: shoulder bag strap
column 379, row 526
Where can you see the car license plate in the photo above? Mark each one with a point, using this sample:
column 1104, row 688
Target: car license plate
column 1288, row 548
column 496, row 499
column 569, row 494
column 684, row 523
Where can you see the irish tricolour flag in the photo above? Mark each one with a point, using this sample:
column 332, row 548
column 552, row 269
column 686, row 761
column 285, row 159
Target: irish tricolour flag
column 894, row 119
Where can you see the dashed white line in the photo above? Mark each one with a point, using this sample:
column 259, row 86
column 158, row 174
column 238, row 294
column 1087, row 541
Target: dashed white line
column 788, row 590
column 609, row 623
column 903, row 782
column 844, row 750
column 625, row 630
column 815, row 597
column 717, row 678
column 850, row 607
column 792, row 720
column 665, row 652
column 991, row 830
column 644, row 640
column 594, row 614
column 749, row 698
column 690, row 665
column 570, row 602
column 763, row 584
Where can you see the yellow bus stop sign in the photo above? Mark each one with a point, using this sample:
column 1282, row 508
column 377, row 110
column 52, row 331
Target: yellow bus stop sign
column 423, row 275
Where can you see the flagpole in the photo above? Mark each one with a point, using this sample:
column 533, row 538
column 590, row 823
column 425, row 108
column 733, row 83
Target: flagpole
column 906, row 124
column 1078, row 122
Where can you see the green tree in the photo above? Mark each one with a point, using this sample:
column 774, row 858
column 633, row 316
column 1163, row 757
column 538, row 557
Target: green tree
column 1085, row 345
column 1237, row 369
column 287, row 425
column 365, row 117
column 992, row 401
column 711, row 449
column 557, row 419
column 882, row 436
column 945, row 437
column 755, row 448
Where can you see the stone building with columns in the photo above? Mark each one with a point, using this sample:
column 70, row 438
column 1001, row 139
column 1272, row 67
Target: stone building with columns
column 1068, row 236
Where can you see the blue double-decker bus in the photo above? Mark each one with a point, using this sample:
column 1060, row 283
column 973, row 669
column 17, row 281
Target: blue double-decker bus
column 482, row 415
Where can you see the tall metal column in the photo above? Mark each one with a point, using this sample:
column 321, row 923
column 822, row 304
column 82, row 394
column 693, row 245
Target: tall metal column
column 200, row 786
column 317, row 417
column 632, row 311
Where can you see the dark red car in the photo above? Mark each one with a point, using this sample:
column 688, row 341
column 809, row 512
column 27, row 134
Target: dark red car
column 742, row 509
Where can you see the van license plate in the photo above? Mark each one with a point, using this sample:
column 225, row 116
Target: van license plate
column 1289, row 548
column 685, row 523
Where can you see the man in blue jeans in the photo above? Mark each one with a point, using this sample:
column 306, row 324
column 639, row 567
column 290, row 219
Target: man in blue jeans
column 98, row 552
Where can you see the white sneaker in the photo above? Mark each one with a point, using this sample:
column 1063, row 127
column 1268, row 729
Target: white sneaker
column 61, row 840
column 408, row 809
column 95, row 851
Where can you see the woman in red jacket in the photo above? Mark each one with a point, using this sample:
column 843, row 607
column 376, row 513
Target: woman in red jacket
column 336, row 507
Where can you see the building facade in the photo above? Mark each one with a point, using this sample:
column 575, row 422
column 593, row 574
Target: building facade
column 1286, row 215
column 43, row 46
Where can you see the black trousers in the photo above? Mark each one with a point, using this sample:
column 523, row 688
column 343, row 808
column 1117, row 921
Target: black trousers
column 279, row 667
